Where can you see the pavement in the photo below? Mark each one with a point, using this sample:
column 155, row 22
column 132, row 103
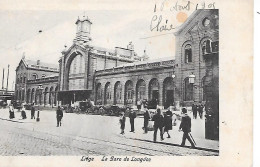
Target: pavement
column 82, row 134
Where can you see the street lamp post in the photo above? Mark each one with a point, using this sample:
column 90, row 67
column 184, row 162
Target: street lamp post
column 192, row 81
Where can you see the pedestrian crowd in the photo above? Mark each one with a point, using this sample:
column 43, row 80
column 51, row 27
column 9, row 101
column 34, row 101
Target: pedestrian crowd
column 163, row 122
column 197, row 109
column 23, row 112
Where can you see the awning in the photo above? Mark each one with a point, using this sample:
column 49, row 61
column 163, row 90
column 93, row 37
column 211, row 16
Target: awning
column 74, row 94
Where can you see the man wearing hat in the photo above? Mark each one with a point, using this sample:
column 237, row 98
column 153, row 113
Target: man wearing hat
column 185, row 126
column 132, row 116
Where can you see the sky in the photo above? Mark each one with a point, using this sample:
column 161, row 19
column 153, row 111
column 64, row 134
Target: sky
column 19, row 32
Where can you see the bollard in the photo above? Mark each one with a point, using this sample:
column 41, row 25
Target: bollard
column 38, row 116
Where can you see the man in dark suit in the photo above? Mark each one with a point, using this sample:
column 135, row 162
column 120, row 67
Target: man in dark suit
column 59, row 115
column 194, row 111
column 185, row 126
column 132, row 116
column 158, row 124
column 147, row 117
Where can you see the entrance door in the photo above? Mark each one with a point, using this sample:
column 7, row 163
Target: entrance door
column 155, row 95
column 169, row 98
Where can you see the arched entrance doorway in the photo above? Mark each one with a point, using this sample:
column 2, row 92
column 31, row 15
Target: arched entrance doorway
column 118, row 93
column 188, row 90
column 168, row 92
column 107, row 98
column 129, row 93
column 75, row 83
column 140, row 90
column 98, row 94
column 154, row 91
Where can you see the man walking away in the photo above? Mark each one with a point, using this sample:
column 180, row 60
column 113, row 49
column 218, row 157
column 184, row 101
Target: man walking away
column 59, row 115
column 132, row 116
column 33, row 112
column 168, row 122
column 201, row 110
column 158, row 124
column 185, row 126
column 147, row 117
column 195, row 111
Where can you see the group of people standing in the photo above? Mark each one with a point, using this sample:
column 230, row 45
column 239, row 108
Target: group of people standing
column 197, row 109
column 23, row 113
column 59, row 113
column 162, row 122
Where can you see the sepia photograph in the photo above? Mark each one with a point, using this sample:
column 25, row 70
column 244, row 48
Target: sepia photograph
column 92, row 99
column 125, row 83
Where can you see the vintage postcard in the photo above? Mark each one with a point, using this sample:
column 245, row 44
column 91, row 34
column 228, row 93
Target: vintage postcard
column 126, row 83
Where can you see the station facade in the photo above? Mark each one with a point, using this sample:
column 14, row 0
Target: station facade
column 36, row 82
column 121, row 77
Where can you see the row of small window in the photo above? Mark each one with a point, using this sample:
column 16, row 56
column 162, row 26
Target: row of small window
column 129, row 95
column 207, row 47
column 23, row 79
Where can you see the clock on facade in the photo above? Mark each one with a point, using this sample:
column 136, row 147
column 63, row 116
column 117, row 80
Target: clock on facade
column 206, row 22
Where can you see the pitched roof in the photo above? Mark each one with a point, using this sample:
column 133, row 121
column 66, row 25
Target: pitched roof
column 42, row 65
column 188, row 21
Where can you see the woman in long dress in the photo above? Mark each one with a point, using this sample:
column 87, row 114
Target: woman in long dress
column 11, row 112
column 23, row 113
column 168, row 122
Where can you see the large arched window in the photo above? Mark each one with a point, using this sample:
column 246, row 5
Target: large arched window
column 154, row 90
column 118, row 93
column 168, row 92
column 99, row 94
column 140, row 90
column 188, row 53
column 188, row 90
column 76, row 73
column 107, row 93
column 129, row 92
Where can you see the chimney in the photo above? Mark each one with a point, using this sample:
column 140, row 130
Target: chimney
column 38, row 62
column 23, row 55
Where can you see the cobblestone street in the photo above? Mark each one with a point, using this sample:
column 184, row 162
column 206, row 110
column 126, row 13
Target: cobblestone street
column 89, row 135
